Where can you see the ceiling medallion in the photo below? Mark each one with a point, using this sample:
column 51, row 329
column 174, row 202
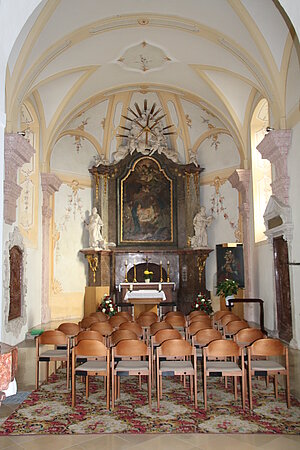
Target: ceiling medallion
column 145, row 133
column 144, row 57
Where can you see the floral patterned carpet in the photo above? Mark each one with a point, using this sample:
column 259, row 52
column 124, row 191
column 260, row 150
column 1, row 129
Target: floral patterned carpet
column 49, row 411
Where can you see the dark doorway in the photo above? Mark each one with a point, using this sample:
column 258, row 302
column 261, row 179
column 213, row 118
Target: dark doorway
column 283, row 294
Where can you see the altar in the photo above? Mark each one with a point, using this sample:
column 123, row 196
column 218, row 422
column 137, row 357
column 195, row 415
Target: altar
column 145, row 300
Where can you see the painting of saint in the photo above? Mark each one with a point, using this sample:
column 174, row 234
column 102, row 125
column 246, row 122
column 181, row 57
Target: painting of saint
column 146, row 204
column 230, row 264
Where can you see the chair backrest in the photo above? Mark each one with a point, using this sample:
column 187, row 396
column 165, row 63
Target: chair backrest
column 222, row 347
column 163, row 335
column 174, row 313
column 132, row 326
column 116, row 321
column 197, row 326
column 197, row 313
column 156, row 326
column 87, row 322
column 105, row 328
column 147, row 320
column 125, row 314
column 131, row 347
column 121, row 335
column 176, row 347
column 91, row 335
column 53, row 337
column 218, row 315
column 199, row 318
column 228, row 318
column 236, row 325
column 70, row 329
column 247, row 336
column 91, row 347
column 205, row 336
column 267, row 347
column 176, row 321
column 100, row 316
column 148, row 313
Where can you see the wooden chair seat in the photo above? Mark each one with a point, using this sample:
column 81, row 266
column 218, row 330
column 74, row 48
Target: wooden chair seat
column 94, row 366
column 132, row 367
column 224, row 367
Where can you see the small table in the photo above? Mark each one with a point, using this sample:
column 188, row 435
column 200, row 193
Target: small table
column 145, row 300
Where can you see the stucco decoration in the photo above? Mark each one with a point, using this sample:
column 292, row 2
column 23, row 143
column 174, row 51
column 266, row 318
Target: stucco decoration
column 278, row 220
column 240, row 180
column 143, row 57
column 17, row 151
column 14, row 326
column 50, row 184
column 275, row 147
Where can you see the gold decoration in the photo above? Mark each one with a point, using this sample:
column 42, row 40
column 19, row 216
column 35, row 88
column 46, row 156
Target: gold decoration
column 187, row 182
column 93, row 263
column 126, row 279
column 96, row 175
column 143, row 21
column 161, row 275
column 188, row 121
column 134, row 273
column 168, row 272
column 201, row 261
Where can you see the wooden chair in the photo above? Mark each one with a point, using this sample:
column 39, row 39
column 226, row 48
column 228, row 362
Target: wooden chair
column 129, row 354
column 178, row 323
column 157, row 339
column 148, row 313
column 116, row 321
column 100, row 316
column 226, row 319
column 70, row 329
column 105, row 328
column 132, row 326
column 204, row 337
column 98, row 364
column 54, row 338
column 176, row 351
column 87, row 322
column 193, row 314
column 268, row 367
column 233, row 327
column 121, row 335
column 91, row 335
column 194, row 327
column 173, row 314
column 217, row 316
column 156, row 326
column 223, row 349
column 145, row 321
column 203, row 319
column 125, row 314
column 247, row 336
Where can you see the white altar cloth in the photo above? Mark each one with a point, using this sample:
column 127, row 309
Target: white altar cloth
column 145, row 293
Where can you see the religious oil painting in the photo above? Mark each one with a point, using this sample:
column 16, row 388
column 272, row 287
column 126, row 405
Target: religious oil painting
column 230, row 263
column 146, row 204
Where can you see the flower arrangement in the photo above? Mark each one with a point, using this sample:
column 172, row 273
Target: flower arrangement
column 148, row 275
column 227, row 287
column 202, row 303
column 107, row 306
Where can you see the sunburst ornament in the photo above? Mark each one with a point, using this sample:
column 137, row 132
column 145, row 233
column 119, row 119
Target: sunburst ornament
column 146, row 133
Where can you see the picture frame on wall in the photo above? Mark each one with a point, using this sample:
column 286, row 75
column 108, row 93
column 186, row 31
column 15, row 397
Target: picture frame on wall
column 230, row 263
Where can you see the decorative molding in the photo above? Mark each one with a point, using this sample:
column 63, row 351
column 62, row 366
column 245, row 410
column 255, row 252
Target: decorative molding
column 278, row 220
column 275, row 147
column 50, row 184
column 240, row 180
column 17, row 151
column 14, row 326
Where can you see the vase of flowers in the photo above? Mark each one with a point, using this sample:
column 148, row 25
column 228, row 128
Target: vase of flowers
column 148, row 275
column 202, row 303
column 228, row 288
column 107, row 306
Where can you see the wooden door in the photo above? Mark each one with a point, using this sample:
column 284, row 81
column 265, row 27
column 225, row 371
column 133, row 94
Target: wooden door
column 283, row 294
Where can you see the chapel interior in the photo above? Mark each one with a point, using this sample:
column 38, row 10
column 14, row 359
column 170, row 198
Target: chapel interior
column 150, row 112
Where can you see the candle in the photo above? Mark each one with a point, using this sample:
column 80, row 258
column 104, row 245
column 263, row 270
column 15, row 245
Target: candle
column 168, row 263
column 160, row 262
column 131, row 287
column 159, row 286
column 126, row 262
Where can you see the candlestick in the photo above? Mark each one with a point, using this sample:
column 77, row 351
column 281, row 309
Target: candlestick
column 168, row 272
column 126, row 279
column 161, row 275
column 134, row 273
column 131, row 287
column 159, row 287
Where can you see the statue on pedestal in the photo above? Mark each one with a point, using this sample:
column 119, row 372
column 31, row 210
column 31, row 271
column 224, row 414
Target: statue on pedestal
column 94, row 226
column 201, row 222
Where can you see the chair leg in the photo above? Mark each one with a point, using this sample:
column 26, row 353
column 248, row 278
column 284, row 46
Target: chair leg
column 288, row 397
column 87, row 387
column 160, row 384
column 250, row 391
column 47, row 371
column 112, row 390
column 118, row 386
column 276, row 385
column 191, row 385
column 73, row 388
column 107, row 379
column 204, row 391
column 149, row 389
column 243, row 389
column 37, row 374
column 68, row 373
column 195, row 390
column 235, row 387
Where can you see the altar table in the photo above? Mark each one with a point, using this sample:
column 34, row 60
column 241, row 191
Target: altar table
column 145, row 300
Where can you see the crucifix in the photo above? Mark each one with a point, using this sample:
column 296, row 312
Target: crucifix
column 147, row 261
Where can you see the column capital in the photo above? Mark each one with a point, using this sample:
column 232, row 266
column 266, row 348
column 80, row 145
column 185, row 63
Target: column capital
column 50, row 183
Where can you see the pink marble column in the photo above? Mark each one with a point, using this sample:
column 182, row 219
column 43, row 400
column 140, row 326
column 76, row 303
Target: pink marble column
column 17, row 151
column 275, row 147
column 50, row 184
column 240, row 180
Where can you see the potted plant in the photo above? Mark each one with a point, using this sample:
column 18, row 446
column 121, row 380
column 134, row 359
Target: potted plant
column 228, row 288
column 148, row 275
column 107, row 306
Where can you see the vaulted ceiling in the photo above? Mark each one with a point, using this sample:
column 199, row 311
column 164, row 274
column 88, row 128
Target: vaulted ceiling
column 222, row 54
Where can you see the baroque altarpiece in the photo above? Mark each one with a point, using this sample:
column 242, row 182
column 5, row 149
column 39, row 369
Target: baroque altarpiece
column 147, row 204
